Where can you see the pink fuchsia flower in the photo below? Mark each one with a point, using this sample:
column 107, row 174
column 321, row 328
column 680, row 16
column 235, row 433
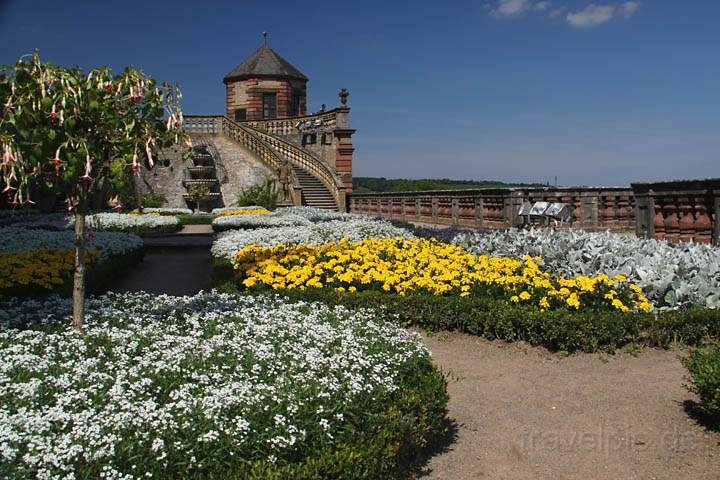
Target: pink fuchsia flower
column 148, row 152
column 135, row 165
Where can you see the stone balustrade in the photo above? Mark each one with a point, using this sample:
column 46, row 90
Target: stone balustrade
column 679, row 211
column 596, row 208
column 295, row 125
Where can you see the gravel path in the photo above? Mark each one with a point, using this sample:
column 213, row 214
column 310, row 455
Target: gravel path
column 523, row 413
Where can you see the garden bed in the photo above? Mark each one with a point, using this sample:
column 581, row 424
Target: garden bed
column 280, row 390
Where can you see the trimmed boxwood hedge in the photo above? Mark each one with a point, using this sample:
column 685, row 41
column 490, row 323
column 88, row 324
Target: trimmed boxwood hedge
column 196, row 219
column 388, row 442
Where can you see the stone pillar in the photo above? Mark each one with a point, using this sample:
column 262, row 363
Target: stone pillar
column 435, row 210
column 344, row 149
column 589, row 202
column 479, row 211
column 716, row 219
column 455, row 211
column 512, row 204
column 417, row 208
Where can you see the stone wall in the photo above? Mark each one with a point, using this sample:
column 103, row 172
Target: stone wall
column 166, row 180
column 236, row 169
column 247, row 94
column 243, row 168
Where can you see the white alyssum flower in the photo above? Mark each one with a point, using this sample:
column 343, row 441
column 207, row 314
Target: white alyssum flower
column 127, row 223
column 109, row 244
column 177, row 382
column 356, row 229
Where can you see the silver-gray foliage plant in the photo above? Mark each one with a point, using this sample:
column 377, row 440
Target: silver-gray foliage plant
column 671, row 275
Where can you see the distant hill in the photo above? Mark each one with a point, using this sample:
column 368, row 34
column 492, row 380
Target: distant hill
column 382, row 184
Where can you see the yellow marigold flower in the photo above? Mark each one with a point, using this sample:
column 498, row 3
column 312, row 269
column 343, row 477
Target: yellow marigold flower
column 524, row 296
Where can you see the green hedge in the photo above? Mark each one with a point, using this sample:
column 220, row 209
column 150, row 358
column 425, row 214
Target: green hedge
column 557, row 330
column 146, row 231
column 704, row 367
column 198, row 219
column 387, row 441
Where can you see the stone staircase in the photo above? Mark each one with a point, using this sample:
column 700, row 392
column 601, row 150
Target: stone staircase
column 202, row 172
column 314, row 193
column 319, row 184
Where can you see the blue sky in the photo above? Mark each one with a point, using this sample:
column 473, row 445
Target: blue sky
column 595, row 93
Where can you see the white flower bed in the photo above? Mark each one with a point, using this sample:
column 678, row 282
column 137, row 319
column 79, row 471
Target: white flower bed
column 169, row 387
column 671, row 275
column 109, row 244
column 228, row 243
column 250, row 221
column 317, row 214
column 167, row 211
column 121, row 222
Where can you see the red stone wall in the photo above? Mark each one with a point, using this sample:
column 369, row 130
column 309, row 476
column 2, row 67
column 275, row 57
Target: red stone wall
column 247, row 94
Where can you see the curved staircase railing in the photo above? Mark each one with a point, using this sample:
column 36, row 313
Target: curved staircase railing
column 219, row 124
column 272, row 151
column 308, row 162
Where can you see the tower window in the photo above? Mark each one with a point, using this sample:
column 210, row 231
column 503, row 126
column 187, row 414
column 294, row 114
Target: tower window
column 269, row 105
column 295, row 105
column 240, row 114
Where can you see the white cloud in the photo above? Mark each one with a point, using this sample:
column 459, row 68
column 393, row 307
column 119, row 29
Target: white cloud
column 556, row 13
column 591, row 16
column 627, row 9
column 510, row 8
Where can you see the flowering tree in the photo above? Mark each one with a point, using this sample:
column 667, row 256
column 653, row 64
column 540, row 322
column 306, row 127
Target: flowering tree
column 69, row 128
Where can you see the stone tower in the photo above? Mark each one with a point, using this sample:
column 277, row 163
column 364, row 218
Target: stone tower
column 265, row 87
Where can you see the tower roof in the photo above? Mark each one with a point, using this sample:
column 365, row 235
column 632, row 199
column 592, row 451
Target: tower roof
column 264, row 62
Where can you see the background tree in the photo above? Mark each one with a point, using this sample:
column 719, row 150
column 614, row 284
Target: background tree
column 197, row 193
column 70, row 128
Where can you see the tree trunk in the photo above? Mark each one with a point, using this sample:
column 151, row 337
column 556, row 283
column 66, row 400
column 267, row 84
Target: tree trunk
column 79, row 277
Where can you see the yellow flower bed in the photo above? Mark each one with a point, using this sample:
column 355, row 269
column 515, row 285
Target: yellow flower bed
column 403, row 266
column 40, row 268
column 148, row 214
column 257, row 211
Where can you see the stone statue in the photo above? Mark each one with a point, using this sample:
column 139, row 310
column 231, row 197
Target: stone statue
column 284, row 173
column 344, row 93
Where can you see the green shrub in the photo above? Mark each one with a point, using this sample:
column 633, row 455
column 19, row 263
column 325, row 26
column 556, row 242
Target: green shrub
column 264, row 195
column 704, row 367
column 153, row 200
column 196, row 219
